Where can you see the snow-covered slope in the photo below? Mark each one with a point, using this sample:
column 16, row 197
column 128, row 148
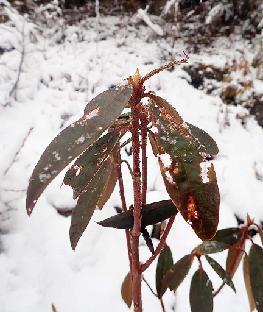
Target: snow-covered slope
column 59, row 75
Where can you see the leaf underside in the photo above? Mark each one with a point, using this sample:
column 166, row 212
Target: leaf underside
column 126, row 290
column 196, row 197
column 174, row 277
column 151, row 214
column 165, row 262
column 234, row 257
column 99, row 114
column 201, row 292
column 87, row 203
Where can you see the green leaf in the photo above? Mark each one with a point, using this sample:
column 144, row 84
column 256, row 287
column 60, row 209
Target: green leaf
column 234, row 256
column 89, row 162
column 100, row 113
column 228, row 236
column 151, row 214
column 256, row 274
column 174, row 277
column 211, row 247
column 204, row 139
column 165, row 262
column 252, row 304
column 201, row 292
column 126, row 290
column 220, row 272
column 87, row 203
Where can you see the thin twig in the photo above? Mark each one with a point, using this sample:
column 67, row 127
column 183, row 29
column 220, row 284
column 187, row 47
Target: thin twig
column 160, row 245
column 162, row 305
column 219, row 289
column 18, row 151
column 167, row 66
column 129, row 166
column 149, row 286
column 22, row 58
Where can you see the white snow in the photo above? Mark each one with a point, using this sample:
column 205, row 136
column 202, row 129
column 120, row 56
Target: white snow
column 59, row 77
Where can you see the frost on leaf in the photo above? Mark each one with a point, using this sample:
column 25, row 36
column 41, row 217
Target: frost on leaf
column 75, row 139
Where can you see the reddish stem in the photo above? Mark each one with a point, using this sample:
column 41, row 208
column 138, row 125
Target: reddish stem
column 123, row 202
column 136, row 231
column 160, row 245
column 144, row 123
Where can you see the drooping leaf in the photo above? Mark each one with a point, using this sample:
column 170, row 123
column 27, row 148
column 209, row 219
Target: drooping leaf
column 252, row 304
column 108, row 188
column 220, row 272
column 174, row 277
column 234, row 256
column 256, row 274
column 87, row 203
column 197, row 201
column 126, row 290
column 88, row 163
column 204, row 139
column 192, row 188
column 151, row 214
column 211, row 247
column 201, row 292
column 165, row 262
column 100, row 113
column 228, row 236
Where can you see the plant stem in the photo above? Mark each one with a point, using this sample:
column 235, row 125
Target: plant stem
column 123, row 202
column 144, row 123
column 160, row 245
column 135, row 233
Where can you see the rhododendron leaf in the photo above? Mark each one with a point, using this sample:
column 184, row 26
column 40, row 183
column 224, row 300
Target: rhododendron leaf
column 256, row 274
column 151, row 214
column 165, row 262
column 234, row 256
column 220, row 272
column 99, row 114
column 86, row 166
column 201, row 292
column 246, row 273
column 87, row 203
column 204, row 139
column 177, row 273
column 126, row 290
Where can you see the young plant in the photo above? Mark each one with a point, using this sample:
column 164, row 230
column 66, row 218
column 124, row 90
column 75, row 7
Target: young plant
column 183, row 151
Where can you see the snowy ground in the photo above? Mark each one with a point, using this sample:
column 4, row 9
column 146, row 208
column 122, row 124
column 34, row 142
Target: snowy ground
column 37, row 265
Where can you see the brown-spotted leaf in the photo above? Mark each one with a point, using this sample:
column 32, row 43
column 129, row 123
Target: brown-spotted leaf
column 87, row 203
column 252, row 304
column 191, row 184
column 220, row 272
column 165, row 262
column 99, row 114
column 151, row 214
column 256, row 274
column 234, row 256
column 177, row 273
column 88, row 163
column 126, row 290
column 204, row 139
column 201, row 292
